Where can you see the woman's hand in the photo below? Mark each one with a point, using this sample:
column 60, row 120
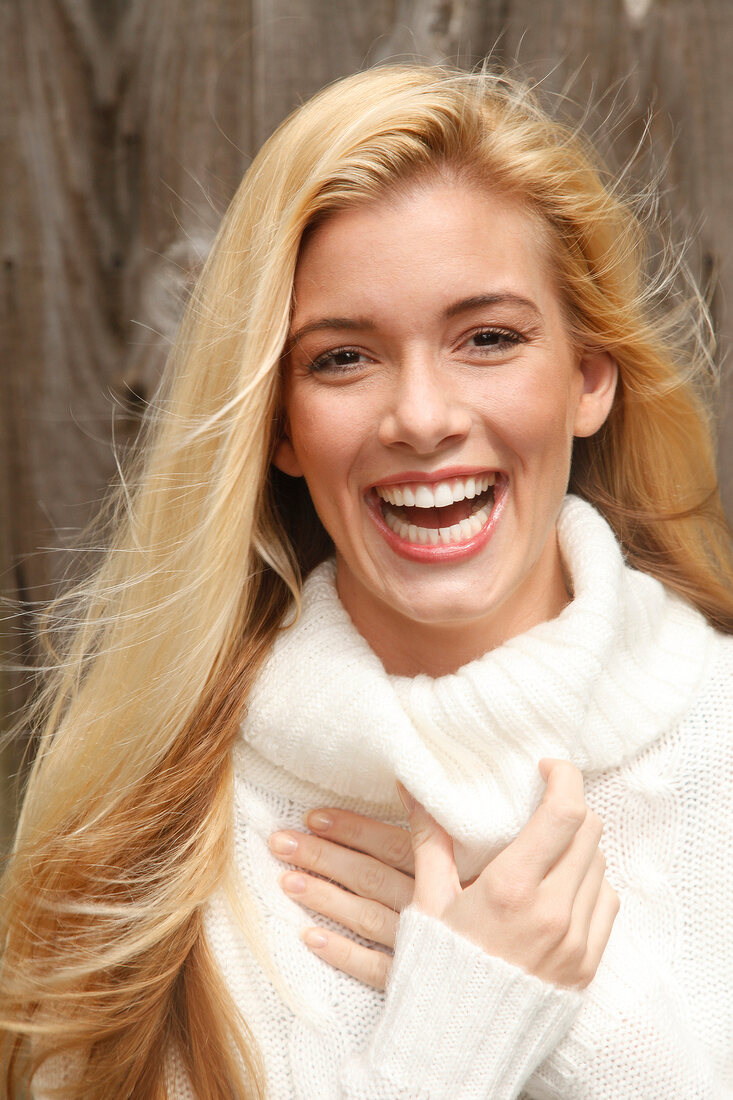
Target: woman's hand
column 374, row 862
column 543, row 903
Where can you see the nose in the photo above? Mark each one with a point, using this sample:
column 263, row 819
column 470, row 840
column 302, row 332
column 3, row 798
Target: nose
column 423, row 412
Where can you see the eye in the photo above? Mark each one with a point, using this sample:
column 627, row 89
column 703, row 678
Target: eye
column 338, row 361
column 494, row 339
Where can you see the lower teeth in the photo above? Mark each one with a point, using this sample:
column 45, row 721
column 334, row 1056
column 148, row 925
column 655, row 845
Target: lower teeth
column 423, row 536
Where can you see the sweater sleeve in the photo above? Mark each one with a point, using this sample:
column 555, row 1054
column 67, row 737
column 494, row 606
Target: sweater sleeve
column 457, row 1023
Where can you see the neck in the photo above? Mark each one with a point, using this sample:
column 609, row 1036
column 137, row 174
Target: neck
column 409, row 647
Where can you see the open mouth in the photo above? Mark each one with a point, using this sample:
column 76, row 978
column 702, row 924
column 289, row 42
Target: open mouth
column 446, row 513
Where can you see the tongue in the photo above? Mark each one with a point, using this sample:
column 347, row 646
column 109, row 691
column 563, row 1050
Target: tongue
column 437, row 517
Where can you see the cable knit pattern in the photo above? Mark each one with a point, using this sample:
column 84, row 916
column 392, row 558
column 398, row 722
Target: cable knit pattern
column 631, row 685
column 567, row 689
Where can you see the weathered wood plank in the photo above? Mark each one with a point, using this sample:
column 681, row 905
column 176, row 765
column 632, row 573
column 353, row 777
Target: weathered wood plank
column 127, row 126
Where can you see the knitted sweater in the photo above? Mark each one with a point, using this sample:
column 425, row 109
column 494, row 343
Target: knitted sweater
column 631, row 685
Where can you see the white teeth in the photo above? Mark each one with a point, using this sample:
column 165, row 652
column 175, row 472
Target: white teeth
column 447, row 536
column 424, row 497
column 467, row 530
column 440, row 495
column 443, row 495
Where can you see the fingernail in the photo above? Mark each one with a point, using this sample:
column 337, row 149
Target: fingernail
column 293, row 883
column 282, row 844
column 405, row 797
column 544, row 766
column 319, row 821
column 313, row 938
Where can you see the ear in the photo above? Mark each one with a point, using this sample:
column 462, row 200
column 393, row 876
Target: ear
column 285, row 460
column 600, row 373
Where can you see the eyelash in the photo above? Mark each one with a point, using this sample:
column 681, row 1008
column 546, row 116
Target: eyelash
column 319, row 363
column 505, row 338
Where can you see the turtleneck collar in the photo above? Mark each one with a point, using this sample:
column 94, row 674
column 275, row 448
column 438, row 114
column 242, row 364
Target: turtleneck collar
column 615, row 670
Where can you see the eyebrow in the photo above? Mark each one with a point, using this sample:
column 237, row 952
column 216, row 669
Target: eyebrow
column 500, row 298
column 363, row 324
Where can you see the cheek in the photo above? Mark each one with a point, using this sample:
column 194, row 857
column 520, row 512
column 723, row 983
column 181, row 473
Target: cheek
column 310, row 426
column 536, row 424
column 325, row 442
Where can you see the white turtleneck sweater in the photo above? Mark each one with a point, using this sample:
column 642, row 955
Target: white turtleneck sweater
column 631, row 685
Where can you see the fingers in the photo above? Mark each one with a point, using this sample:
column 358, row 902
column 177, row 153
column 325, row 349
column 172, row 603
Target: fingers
column 388, row 843
column 571, row 869
column 586, row 897
column 578, row 957
column 572, row 958
column 604, row 914
column 362, row 874
column 552, row 827
column 369, row 919
column 573, row 961
column 367, row 964
column 436, row 878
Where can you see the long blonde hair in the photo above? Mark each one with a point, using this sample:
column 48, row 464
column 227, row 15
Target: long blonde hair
column 126, row 827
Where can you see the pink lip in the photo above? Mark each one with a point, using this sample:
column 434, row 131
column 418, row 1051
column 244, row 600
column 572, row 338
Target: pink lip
column 405, row 477
column 439, row 553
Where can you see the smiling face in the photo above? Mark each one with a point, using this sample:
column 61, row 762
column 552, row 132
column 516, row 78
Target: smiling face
column 431, row 396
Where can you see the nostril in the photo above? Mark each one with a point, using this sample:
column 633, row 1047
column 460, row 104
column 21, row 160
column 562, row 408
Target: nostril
column 424, row 428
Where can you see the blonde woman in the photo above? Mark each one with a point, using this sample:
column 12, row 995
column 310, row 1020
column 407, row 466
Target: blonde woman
column 345, row 559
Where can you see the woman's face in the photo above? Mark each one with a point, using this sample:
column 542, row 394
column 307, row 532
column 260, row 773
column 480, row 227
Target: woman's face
column 432, row 394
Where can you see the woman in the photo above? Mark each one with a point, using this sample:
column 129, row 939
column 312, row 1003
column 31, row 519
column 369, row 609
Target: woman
column 427, row 304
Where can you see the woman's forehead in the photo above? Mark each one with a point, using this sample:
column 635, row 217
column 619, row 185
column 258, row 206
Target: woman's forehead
column 445, row 241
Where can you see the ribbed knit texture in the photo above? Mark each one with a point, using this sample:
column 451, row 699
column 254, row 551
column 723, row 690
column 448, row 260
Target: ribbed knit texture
column 631, row 685
column 565, row 689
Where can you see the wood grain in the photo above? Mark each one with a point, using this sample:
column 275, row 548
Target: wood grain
column 127, row 125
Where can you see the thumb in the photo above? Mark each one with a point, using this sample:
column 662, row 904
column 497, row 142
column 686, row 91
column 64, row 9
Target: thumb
column 436, row 876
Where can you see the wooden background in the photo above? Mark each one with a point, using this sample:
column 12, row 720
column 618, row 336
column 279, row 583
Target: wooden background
column 126, row 127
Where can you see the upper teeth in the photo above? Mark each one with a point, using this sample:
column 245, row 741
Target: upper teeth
column 440, row 495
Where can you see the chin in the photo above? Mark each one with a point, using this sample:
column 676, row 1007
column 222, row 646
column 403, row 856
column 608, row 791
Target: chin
column 446, row 603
